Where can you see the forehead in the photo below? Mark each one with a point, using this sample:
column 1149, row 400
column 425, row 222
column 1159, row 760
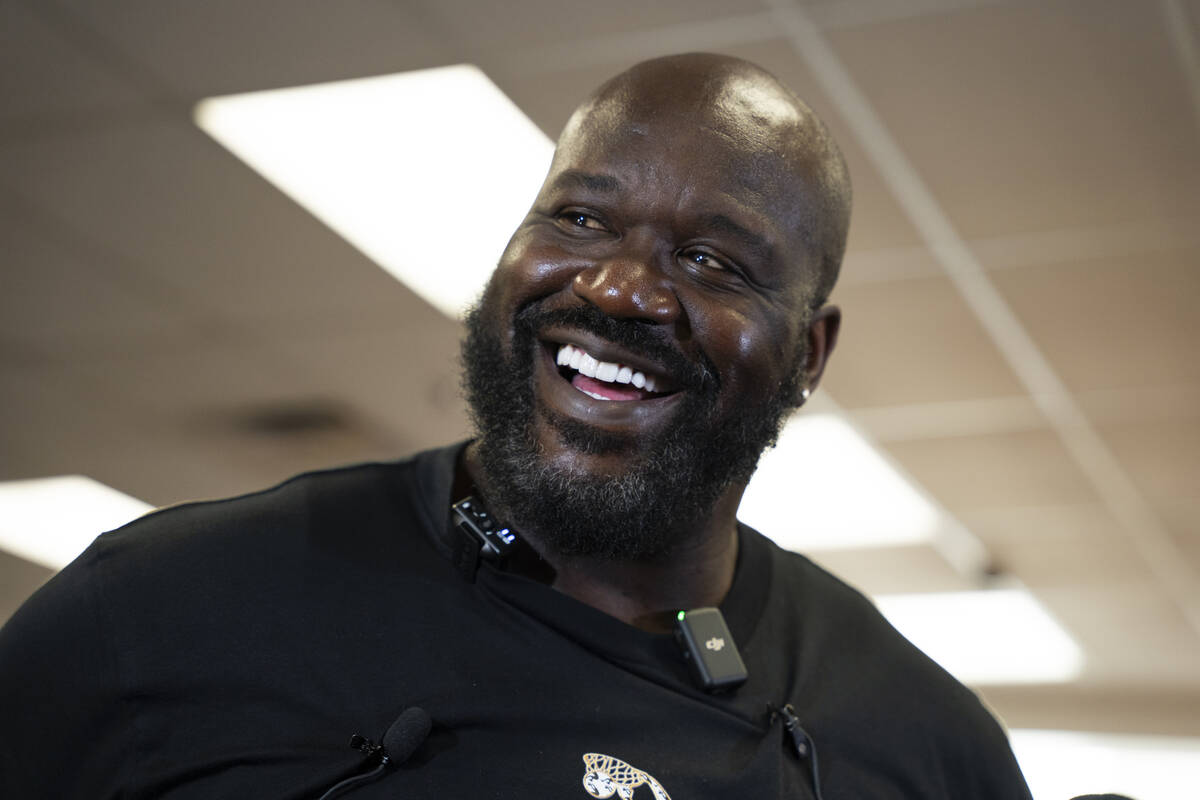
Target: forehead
column 732, row 158
column 732, row 135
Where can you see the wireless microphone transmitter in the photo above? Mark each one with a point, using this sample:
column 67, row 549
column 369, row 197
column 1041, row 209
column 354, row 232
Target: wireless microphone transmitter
column 709, row 650
column 495, row 540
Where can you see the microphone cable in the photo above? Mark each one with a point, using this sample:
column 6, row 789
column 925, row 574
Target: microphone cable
column 802, row 743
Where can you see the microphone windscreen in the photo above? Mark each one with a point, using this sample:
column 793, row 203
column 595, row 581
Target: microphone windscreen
column 406, row 734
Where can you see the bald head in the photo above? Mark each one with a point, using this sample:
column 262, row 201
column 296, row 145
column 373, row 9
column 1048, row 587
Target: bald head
column 782, row 145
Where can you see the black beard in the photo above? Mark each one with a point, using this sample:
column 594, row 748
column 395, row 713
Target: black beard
column 673, row 480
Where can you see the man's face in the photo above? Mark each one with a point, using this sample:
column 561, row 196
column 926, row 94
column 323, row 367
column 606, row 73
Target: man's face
column 644, row 332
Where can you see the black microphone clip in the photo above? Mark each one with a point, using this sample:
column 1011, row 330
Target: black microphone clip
column 402, row 739
column 496, row 541
column 368, row 748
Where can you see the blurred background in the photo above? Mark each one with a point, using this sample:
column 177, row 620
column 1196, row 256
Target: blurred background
column 1020, row 291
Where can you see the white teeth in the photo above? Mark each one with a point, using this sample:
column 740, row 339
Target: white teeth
column 595, row 396
column 607, row 371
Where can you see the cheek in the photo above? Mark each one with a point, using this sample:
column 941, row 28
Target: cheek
column 752, row 351
column 530, row 269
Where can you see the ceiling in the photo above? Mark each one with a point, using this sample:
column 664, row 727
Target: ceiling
column 1020, row 292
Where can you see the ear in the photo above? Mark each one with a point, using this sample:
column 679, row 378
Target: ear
column 822, row 336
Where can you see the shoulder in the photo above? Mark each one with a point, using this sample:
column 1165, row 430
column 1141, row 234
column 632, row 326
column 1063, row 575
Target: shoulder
column 851, row 634
column 870, row 689
column 192, row 600
column 344, row 506
column 201, row 552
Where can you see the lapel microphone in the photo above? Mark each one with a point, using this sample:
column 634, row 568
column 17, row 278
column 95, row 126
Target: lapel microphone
column 402, row 739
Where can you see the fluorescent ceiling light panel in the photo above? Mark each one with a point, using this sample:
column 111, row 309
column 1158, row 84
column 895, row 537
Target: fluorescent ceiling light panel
column 994, row 636
column 428, row 173
column 52, row 520
column 1069, row 763
column 825, row 487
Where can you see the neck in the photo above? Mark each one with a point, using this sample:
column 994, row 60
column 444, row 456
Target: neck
column 646, row 595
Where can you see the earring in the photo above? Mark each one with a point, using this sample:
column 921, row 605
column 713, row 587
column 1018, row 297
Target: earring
column 805, row 393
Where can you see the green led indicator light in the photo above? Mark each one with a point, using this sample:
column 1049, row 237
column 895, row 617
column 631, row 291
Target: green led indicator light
column 680, row 615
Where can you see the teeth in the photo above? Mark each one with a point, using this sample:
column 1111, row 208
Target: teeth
column 607, row 371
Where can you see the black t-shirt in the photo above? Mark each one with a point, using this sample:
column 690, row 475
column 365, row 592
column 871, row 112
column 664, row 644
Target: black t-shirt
column 231, row 649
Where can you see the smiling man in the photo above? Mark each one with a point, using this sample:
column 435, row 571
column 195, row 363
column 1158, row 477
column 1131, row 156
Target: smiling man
column 653, row 319
column 567, row 605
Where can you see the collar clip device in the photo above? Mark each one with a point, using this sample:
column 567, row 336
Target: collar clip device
column 709, row 650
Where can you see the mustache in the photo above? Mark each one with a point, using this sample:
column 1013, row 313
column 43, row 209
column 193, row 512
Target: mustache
column 646, row 339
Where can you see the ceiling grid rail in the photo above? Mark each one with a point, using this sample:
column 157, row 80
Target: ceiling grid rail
column 1182, row 33
column 1092, row 455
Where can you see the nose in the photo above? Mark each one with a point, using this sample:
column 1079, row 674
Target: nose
column 629, row 284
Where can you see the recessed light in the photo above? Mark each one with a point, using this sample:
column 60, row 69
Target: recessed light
column 427, row 173
column 824, row 487
column 52, row 520
column 992, row 636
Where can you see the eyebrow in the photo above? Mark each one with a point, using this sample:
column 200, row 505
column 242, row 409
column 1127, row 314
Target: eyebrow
column 748, row 238
column 605, row 184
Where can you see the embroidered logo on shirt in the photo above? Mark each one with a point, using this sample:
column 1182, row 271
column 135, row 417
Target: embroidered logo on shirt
column 607, row 776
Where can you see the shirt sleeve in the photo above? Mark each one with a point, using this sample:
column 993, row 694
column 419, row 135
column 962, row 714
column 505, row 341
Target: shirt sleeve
column 63, row 717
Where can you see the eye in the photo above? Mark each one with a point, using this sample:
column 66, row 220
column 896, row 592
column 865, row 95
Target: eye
column 706, row 261
column 579, row 219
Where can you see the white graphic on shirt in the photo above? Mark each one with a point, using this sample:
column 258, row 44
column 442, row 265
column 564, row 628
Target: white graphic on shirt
column 607, row 776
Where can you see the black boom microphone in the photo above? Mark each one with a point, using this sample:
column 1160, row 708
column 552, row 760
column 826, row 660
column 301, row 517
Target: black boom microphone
column 402, row 739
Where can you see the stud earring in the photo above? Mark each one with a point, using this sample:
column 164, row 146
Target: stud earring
column 805, row 393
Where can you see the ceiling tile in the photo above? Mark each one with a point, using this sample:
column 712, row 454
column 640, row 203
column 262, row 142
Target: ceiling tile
column 1111, row 323
column 403, row 379
column 894, row 570
column 911, row 342
column 1153, row 403
column 225, row 46
column 493, row 26
column 967, row 473
column 1035, row 116
column 157, row 427
column 1056, row 546
column 1131, row 631
column 63, row 303
column 54, row 426
column 1162, row 457
column 1181, row 517
column 43, row 75
column 175, row 209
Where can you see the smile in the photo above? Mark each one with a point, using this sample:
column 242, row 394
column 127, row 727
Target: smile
column 606, row 380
